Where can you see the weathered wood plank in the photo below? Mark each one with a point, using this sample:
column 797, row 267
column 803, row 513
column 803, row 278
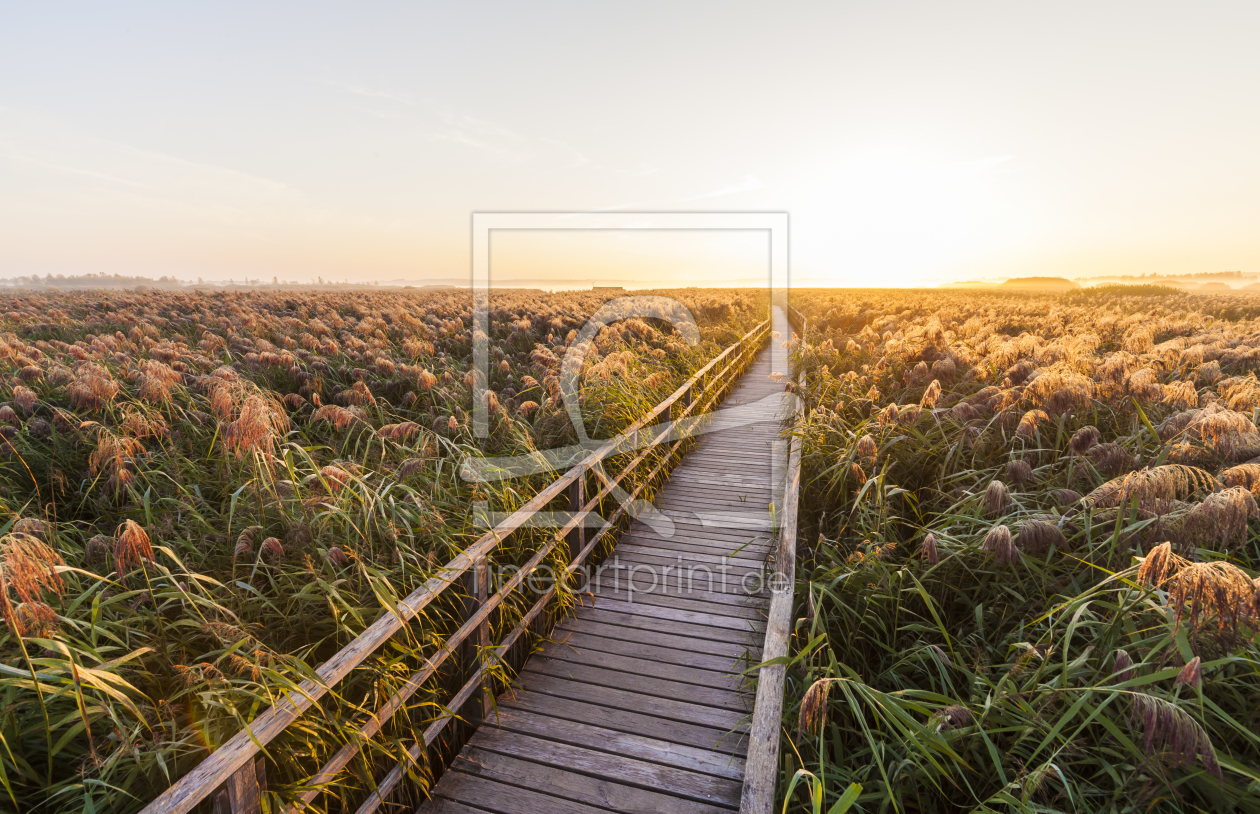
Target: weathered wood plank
column 735, row 494
column 601, row 739
column 684, row 733
column 700, row 625
column 649, row 655
column 611, row 698
column 647, row 565
column 586, row 789
column 692, row 602
column 697, row 556
column 722, row 679
column 502, row 798
column 747, row 550
column 694, row 593
column 641, row 684
column 733, row 646
column 673, row 781
column 711, row 535
column 703, row 537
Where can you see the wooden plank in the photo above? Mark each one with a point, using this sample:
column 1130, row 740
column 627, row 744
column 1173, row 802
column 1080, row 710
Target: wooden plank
column 703, row 761
column 730, row 583
column 686, row 487
column 702, row 624
column 561, row 783
column 729, row 522
column 732, row 454
column 680, row 556
column 700, row 463
column 608, row 627
column 688, row 530
column 708, row 503
column 695, row 592
column 714, row 459
column 722, row 720
column 701, row 533
column 720, row 482
column 438, row 805
column 723, row 678
column 688, row 472
column 685, row 733
column 502, row 798
column 734, row 700
column 693, row 602
column 706, row 506
column 648, row 557
column 650, row 656
column 683, row 600
column 753, row 549
column 675, row 782
column 724, row 499
column 723, row 493
column 646, row 568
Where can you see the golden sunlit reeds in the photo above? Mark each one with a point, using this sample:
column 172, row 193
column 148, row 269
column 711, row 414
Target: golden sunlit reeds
column 1143, row 403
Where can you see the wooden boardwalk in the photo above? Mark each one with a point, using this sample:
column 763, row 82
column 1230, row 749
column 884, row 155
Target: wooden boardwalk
column 638, row 704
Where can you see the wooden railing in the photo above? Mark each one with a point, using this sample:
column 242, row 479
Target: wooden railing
column 761, row 769
column 234, row 775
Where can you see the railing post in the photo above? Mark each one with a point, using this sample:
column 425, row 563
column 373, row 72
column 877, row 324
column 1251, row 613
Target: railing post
column 476, row 646
column 242, row 793
column 577, row 499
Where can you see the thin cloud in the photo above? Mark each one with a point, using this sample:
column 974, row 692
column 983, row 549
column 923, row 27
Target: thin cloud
column 48, row 165
column 372, row 93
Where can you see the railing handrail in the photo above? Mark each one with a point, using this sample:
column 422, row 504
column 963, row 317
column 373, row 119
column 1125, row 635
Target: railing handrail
column 237, row 752
column 761, row 766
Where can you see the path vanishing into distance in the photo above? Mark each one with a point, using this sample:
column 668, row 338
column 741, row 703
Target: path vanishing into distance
column 638, row 703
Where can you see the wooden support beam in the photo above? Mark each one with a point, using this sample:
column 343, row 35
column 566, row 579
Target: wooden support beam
column 577, row 500
column 476, row 647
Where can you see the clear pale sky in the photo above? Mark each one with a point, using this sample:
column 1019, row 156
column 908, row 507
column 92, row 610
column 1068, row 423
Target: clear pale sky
column 911, row 143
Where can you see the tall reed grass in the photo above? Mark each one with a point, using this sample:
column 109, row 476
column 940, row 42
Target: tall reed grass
column 203, row 497
column 1039, row 594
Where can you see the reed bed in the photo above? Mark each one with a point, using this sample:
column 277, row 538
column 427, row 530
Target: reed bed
column 1030, row 554
column 204, row 496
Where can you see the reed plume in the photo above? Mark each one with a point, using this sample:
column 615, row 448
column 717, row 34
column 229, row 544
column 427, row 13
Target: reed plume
column 1037, row 536
column 1245, row 475
column 998, row 543
column 1154, row 488
column 813, row 712
column 1019, row 472
column 996, row 498
column 1083, row 439
column 25, row 398
column 928, row 550
column 866, row 448
column 28, row 567
column 1172, row 734
column 132, row 548
column 1028, row 424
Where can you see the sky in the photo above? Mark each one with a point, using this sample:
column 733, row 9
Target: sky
column 910, row 143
